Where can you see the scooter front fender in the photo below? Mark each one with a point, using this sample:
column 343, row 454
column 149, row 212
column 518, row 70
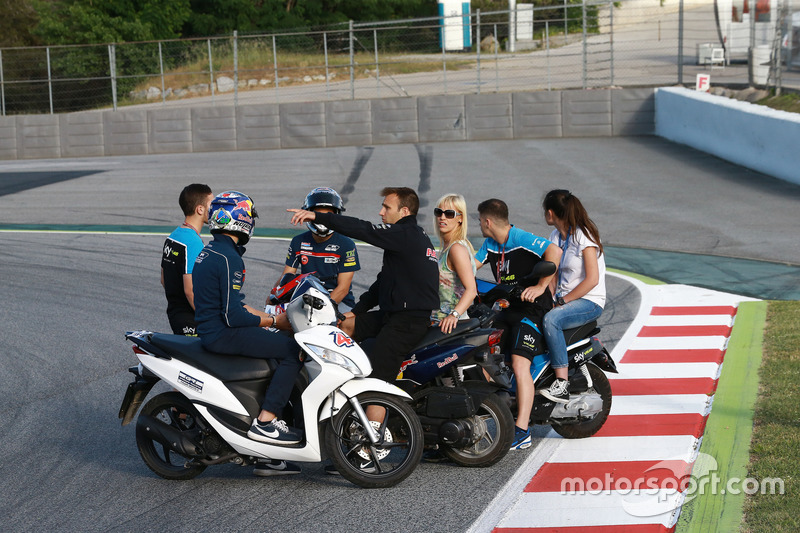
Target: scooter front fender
column 354, row 387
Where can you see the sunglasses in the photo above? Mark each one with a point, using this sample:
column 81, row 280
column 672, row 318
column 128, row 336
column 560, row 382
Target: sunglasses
column 448, row 213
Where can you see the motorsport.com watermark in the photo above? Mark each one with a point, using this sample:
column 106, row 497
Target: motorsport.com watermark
column 654, row 493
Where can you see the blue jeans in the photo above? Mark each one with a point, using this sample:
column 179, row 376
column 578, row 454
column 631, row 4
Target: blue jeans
column 571, row 315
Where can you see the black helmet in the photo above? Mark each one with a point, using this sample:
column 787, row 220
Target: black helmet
column 322, row 197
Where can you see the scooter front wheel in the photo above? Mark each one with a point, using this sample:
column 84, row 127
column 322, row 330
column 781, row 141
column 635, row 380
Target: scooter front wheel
column 385, row 463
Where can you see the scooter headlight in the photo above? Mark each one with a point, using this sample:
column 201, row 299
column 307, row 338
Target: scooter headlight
column 336, row 358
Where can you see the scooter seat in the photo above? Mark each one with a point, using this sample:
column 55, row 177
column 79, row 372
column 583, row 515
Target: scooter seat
column 225, row 367
column 435, row 335
column 581, row 332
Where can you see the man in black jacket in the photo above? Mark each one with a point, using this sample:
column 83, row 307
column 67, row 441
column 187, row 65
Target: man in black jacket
column 407, row 288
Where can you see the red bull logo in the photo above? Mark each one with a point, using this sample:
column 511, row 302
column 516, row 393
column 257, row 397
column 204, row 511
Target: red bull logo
column 244, row 204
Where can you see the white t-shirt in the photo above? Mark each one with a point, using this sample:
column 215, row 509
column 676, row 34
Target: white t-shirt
column 571, row 270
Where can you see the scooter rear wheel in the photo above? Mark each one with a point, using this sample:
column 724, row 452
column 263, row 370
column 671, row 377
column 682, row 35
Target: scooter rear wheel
column 497, row 423
column 174, row 410
column 392, row 459
column 587, row 428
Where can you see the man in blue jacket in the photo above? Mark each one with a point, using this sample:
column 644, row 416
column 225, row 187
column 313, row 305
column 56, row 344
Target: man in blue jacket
column 227, row 325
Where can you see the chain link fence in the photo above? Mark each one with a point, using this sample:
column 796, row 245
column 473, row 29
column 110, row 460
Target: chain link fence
column 578, row 45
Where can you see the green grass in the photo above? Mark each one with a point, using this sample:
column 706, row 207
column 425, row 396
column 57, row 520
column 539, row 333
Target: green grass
column 775, row 447
column 729, row 430
column 785, row 102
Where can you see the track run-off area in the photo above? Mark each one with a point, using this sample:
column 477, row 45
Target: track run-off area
column 81, row 241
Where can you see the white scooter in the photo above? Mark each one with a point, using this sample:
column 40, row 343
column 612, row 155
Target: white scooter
column 205, row 419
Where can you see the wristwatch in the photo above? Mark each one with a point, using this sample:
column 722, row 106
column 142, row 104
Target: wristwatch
column 455, row 314
column 560, row 301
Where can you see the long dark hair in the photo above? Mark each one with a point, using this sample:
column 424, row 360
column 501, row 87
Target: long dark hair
column 565, row 206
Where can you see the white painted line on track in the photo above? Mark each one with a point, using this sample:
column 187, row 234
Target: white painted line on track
column 608, row 508
column 665, row 370
column 636, row 448
column 661, row 404
column 690, row 320
column 713, row 342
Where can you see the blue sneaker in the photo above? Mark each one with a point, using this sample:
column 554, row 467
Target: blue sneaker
column 522, row 439
column 274, row 432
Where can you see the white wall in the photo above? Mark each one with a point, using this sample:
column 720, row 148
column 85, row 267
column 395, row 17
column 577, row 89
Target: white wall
column 750, row 135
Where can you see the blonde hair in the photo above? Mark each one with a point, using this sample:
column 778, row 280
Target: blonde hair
column 459, row 204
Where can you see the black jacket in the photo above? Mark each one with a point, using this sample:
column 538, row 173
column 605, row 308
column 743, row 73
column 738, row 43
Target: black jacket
column 409, row 278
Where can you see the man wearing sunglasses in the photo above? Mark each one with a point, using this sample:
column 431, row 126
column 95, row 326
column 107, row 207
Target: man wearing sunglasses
column 407, row 288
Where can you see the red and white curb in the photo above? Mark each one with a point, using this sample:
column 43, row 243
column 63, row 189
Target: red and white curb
column 669, row 362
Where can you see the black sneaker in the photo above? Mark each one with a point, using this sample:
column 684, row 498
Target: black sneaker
column 273, row 467
column 558, row 391
column 274, row 432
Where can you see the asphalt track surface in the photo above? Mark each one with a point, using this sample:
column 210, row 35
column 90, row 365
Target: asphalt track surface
column 68, row 297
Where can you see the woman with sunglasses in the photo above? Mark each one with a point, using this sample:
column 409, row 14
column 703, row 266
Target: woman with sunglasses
column 457, row 287
column 581, row 280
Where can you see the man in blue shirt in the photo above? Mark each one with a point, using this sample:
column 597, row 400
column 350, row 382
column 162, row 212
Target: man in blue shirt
column 227, row 325
column 331, row 256
column 178, row 255
column 512, row 253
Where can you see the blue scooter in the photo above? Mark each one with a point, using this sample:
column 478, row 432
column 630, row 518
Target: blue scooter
column 589, row 388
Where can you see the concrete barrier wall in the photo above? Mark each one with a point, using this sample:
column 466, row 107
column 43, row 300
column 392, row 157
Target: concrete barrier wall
column 445, row 118
column 750, row 135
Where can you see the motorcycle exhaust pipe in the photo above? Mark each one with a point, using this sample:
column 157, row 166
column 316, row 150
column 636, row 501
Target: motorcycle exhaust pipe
column 167, row 436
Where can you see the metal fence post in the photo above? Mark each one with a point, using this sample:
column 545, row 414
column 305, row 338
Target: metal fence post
column 112, row 67
column 585, row 44
column 352, row 65
column 210, row 71
column 327, row 75
column 547, row 52
column 161, row 67
column 751, row 53
column 777, row 59
column 478, row 46
column 496, row 64
column 566, row 22
column 49, row 81
column 2, row 88
column 235, row 68
column 444, row 59
column 680, row 42
column 512, row 26
column 611, row 38
column 275, row 67
column 377, row 68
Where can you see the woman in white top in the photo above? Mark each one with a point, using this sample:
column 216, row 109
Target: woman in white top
column 580, row 291
column 457, row 287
